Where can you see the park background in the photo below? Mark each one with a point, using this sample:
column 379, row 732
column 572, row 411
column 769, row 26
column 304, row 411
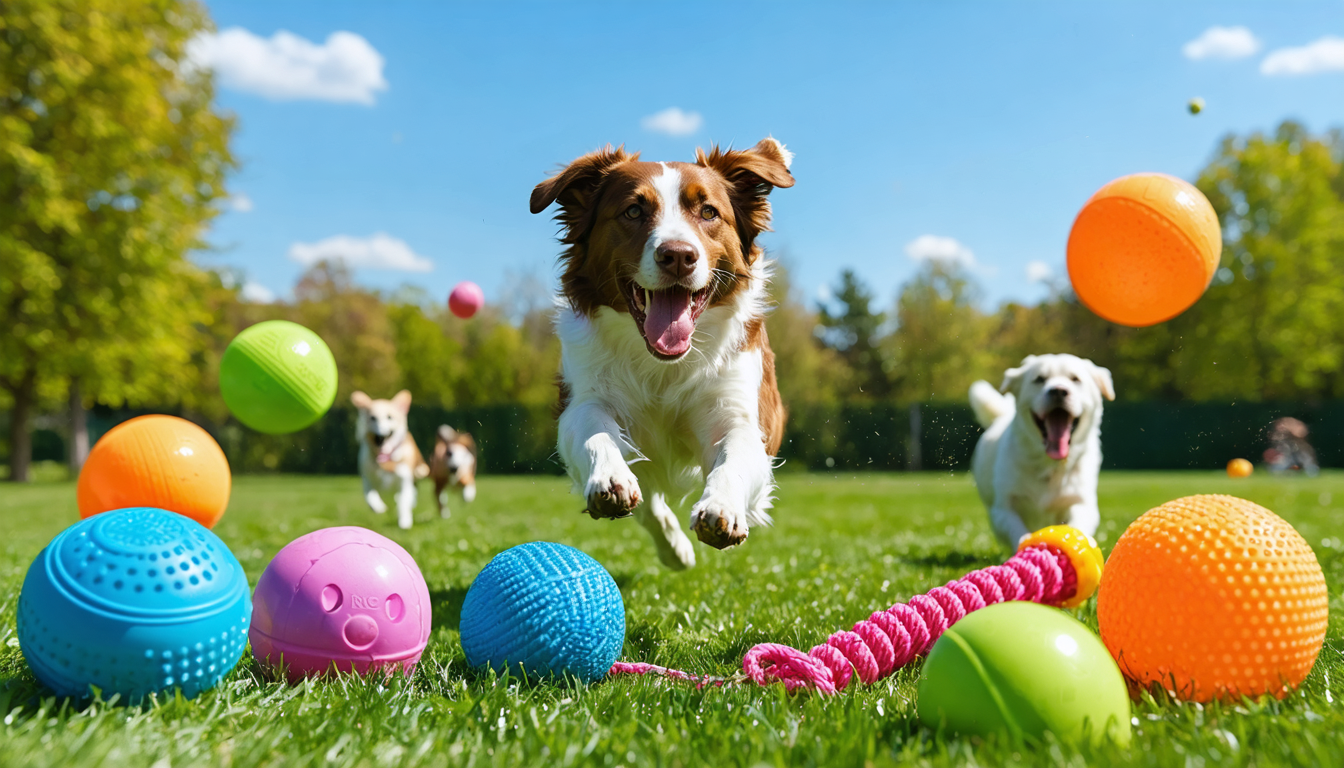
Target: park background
column 153, row 210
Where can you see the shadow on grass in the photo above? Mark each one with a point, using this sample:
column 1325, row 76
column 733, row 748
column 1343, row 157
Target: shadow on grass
column 960, row 560
column 446, row 606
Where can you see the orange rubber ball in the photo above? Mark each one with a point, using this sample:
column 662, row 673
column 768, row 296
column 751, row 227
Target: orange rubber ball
column 1213, row 597
column 1239, row 468
column 1143, row 249
column 156, row 461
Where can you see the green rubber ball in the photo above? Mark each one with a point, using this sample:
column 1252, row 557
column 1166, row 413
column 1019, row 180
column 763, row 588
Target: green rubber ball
column 1022, row 669
column 277, row 377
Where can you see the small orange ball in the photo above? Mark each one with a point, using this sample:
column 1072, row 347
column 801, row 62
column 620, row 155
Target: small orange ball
column 1143, row 249
column 1239, row 468
column 156, row 461
column 1213, row 597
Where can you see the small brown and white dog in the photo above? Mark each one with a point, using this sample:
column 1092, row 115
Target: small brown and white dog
column 667, row 378
column 388, row 455
column 453, row 465
column 1037, row 463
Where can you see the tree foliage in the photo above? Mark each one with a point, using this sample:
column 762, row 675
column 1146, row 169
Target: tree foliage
column 111, row 157
column 850, row 325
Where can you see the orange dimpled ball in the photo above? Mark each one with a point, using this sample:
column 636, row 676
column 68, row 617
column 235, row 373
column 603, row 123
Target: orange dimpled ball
column 156, row 461
column 1213, row 597
column 1143, row 249
column 1239, row 468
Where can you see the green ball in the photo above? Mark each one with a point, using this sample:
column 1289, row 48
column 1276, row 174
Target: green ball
column 278, row 377
column 1023, row 669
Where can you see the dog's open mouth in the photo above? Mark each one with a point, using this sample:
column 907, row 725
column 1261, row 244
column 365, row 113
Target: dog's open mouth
column 1056, row 430
column 381, row 448
column 666, row 317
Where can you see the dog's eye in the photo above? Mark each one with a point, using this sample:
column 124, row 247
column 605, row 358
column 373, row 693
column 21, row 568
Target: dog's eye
column 1075, row 379
column 634, row 212
column 709, row 213
column 1040, row 379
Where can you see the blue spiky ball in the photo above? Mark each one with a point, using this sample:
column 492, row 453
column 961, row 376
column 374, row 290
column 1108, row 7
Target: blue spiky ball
column 544, row 609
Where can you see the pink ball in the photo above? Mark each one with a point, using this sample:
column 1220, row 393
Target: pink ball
column 344, row 598
column 466, row 299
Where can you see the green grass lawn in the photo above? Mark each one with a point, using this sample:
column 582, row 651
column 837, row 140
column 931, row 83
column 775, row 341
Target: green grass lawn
column 843, row 546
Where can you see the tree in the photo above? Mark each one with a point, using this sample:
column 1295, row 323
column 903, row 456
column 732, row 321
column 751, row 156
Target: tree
column 1269, row 327
column 807, row 371
column 940, row 344
column 851, row 328
column 111, row 157
column 353, row 321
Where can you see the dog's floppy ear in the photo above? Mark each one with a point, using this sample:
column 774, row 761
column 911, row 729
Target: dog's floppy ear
column 402, row 401
column 1103, row 378
column 447, row 433
column 1012, row 378
column 576, row 187
column 752, row 173
column 361, row 400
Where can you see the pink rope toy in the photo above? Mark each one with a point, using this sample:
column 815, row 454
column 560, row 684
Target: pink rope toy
column 1054, row 566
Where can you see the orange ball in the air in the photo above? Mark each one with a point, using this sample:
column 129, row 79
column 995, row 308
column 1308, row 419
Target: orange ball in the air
column 1213, row 597
column 1143, row 249
column 1239, row 468
column 156, row 461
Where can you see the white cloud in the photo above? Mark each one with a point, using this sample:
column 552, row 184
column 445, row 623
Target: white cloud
column 240, row 203
column 286, row 67
column 1324, row 55
column 935, row 248
column 1222, row 43
column 257, row 293
column 382, row 251
column 1039, row 272
column 673, row 122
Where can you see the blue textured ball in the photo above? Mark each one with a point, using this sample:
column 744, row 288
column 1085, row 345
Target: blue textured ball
column 546, row 608
column 134, row 601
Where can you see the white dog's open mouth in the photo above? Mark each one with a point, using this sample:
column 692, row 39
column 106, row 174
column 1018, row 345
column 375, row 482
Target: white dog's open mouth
column 381, row 448
column 1056, row 430
column 666, row 317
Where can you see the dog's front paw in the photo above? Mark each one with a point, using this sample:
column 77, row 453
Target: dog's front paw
column 376, row 502
column 718, row 523
column 612, row 493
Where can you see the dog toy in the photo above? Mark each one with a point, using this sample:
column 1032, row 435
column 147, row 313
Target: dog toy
column 1058, row 565
column 277, row 377
column 546, row 609
column 133, row 601
column 156, row 461
column 1239, row 468
column 1195, row 106
column 340, row 599
column 1023, row 669
column 1143, row 249
column 1213, row 597
column 466, row 299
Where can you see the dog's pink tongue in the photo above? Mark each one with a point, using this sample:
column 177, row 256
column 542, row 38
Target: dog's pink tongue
column 668, row 325
column 1058, row 430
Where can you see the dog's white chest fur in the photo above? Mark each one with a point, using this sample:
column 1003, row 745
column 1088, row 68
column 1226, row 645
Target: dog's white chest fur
column 663, row 429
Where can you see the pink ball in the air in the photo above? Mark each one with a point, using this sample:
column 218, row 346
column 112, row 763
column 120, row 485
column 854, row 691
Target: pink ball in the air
column 466, row 299
column 340, row 598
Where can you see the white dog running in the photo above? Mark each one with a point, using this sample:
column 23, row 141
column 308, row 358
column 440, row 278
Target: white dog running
column 1038, row 461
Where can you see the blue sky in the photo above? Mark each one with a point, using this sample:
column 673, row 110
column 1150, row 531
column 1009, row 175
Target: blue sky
column 951, row 130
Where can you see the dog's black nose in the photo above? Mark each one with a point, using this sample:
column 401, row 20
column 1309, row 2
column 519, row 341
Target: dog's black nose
column 1057, row 393
column 677, row 258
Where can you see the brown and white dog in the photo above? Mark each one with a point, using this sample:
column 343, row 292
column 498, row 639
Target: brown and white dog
column 667, row 377
column 388, row 455
column 453, row 465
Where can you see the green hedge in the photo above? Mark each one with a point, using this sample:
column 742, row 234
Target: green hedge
column 521, row 439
